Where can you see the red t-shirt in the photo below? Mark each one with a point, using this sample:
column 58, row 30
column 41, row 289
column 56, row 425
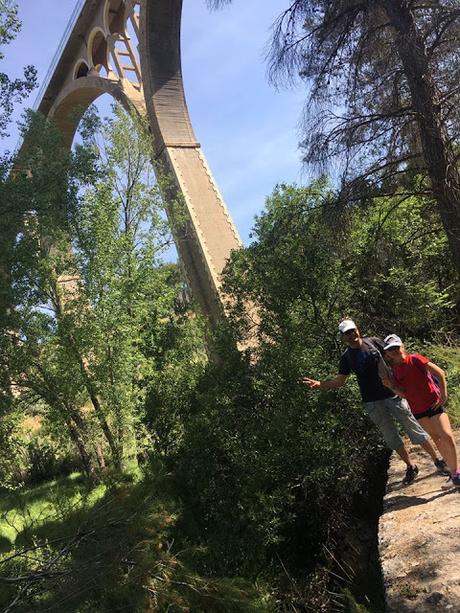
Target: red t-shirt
column 418, row 385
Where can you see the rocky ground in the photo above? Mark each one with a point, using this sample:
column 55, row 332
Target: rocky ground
column 419, row 540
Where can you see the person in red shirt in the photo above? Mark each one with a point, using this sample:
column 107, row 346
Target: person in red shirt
column 423, row 384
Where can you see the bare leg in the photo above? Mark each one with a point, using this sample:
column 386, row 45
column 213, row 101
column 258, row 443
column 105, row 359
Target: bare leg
column 438, row 427
column 402, row 452
column 429, row 448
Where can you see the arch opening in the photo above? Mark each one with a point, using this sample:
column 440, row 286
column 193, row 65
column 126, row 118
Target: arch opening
column 80, row 94
column 81, row 70
column 114, row 17
column 103, row 103
column 103, row 71
column 99, row 52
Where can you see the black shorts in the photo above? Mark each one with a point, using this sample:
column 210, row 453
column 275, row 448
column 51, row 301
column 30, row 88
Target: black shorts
column 430, row 413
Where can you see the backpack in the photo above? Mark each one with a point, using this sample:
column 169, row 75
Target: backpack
column 433, row 378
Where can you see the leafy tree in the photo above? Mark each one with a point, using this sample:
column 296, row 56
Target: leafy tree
column 269, row 471
column 94, row 301
column 121, row 233
column 36, row 362
column 386, row 263
column 384, row 98
column 15, row 90
column 11, row 91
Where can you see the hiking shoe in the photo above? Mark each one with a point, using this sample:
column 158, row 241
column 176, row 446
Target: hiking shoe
column 448, row 485
column 411, row 473
column 452, row 482
column 441, row 467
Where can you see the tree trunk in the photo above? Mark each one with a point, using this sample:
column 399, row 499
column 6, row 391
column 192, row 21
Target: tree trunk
column 114, row 447
column 437, row 149
column 68, row 338
column 81, row 427
column 84, row 455
column 99, row 455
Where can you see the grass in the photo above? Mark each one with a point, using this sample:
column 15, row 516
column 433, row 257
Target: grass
column 33, row 507
column 106, row 549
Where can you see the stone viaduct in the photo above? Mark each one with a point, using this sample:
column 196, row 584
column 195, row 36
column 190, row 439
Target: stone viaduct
column 130, row 49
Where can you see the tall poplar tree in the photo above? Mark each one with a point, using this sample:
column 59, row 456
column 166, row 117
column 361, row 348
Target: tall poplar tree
column 92, row 303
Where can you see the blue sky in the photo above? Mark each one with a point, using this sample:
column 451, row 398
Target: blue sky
column 248, row 130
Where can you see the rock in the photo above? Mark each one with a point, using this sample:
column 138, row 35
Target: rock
column 435, row 598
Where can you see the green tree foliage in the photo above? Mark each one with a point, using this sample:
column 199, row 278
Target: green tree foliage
column 121, row 234
column 383, row 95
column 268, row 470
column 11, row 91
column 15, row 90
column 311, row 261
column 383, row 90
column 91, row 299
column 34, row 355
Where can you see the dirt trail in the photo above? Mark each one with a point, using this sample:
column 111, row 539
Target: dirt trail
column 419, row 540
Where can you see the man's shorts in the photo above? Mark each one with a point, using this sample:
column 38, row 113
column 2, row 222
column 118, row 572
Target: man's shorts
column 429, row 413
column 384, row 413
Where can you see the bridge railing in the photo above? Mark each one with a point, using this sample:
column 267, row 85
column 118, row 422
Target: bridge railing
column 46, row 81
column 63, row 42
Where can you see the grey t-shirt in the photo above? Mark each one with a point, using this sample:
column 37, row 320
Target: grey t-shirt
column 366, row 362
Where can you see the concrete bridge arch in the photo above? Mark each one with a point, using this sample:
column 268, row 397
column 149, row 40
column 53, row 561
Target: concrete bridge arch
column 99, row 56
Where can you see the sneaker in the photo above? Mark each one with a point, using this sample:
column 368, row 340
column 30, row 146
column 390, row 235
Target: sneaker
column 452, row 482
column 411, row 473
column 442, row 467
column 449, row 484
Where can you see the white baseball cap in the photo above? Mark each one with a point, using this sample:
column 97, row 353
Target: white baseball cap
column 391, row 341
column 346, row 325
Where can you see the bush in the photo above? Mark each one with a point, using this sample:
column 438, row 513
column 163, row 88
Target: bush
column 270, row 472
column 45, row 461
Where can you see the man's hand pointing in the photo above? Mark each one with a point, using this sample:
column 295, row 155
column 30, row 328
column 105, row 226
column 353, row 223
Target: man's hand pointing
column 312, row 383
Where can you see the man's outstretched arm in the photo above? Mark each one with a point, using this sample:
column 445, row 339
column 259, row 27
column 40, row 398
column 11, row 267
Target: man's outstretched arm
column 330, row 384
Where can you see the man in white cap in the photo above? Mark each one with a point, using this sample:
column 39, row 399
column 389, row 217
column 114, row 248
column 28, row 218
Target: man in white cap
column 363, row 357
